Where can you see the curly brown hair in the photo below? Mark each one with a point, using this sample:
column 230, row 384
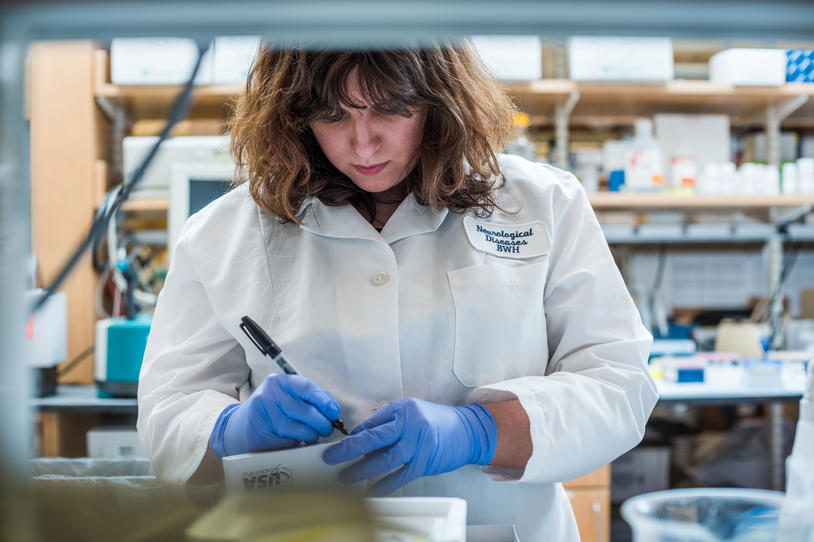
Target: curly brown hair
column 468, row 121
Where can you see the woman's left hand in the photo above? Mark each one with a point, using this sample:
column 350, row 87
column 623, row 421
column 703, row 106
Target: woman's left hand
column 422, row 438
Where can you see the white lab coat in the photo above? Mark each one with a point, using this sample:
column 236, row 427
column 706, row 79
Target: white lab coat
column 448, row 307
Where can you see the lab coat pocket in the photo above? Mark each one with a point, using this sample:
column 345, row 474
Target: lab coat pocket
column 499, row 322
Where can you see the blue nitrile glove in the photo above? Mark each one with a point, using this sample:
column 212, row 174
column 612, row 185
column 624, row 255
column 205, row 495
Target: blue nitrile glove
column 422, row 438
column 282, row 411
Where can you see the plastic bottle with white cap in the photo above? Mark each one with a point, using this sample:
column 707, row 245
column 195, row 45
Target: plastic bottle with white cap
column 644, row 169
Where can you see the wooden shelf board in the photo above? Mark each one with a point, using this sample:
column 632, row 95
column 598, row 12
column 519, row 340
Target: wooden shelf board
column 686, row 89
column 147, row 204
column 625, row 100
column 166, row 93
column 604, row 201
column 610, row 201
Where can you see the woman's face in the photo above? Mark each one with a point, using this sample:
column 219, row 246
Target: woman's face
column 375, row 151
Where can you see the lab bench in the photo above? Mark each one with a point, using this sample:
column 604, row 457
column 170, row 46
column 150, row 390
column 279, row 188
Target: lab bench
column 75, row 409
column 703, row 394
column 66, row 417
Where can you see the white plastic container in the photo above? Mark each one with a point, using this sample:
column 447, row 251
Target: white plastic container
column 805, row 176
column 789, row 178
column 749, row 67
column 711, row 515
column 434, row 519
column 644, row 168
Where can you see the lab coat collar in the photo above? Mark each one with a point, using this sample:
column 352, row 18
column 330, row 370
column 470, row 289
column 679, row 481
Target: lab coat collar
column 410, row 218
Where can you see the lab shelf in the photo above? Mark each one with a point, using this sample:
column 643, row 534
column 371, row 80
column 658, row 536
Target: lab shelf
column 726, row 234
column 599, row 103
column 154, row 101
column 611, row 201
column 620, row 103
column 83, row 398
column 146, row 204
column 606, row 201
column 704, row 394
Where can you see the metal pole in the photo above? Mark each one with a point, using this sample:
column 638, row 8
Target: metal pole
column 561, row 114
column 777, row 461
column 772, row 136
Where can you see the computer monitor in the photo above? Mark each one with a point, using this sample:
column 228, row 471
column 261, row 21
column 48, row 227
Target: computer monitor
column 193, row 187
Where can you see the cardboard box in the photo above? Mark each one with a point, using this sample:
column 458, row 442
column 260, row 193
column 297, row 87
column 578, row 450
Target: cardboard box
column 295, row 468
column 234, row 56
column 641, row 470
column 157, row 61
column 620, row 59
column 511, row 58
column 748, row 67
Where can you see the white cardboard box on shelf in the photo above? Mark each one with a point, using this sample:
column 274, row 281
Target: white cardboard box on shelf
column 234, row 56
column 511, row 58
column 157, row 61
column 749, row 67
column 594, row 58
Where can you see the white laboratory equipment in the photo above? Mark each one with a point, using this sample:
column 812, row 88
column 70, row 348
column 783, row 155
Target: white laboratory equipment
column 711, row 515
column 46, row 340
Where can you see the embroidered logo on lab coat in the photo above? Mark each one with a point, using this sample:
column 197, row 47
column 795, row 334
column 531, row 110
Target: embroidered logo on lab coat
column 516, row 241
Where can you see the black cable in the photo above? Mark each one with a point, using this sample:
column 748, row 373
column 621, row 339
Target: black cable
column 788, row 261
column 79, row 357
column 98, row 265
column 179, row 109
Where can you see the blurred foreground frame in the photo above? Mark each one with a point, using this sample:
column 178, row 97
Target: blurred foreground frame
column 144, row 511
column 360, row 23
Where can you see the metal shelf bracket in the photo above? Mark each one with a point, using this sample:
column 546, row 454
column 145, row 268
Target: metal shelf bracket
column 561, row 114
column 774, row 115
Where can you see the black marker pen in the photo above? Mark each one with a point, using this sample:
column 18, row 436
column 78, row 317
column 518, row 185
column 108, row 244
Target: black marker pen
column 269, row 348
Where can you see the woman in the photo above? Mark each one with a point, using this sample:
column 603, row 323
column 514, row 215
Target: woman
column 463, row 307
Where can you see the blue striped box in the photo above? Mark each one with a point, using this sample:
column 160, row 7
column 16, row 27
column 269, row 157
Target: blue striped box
column 800, row 67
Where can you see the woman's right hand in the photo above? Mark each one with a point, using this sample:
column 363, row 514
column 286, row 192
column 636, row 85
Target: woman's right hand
column 282, row 411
